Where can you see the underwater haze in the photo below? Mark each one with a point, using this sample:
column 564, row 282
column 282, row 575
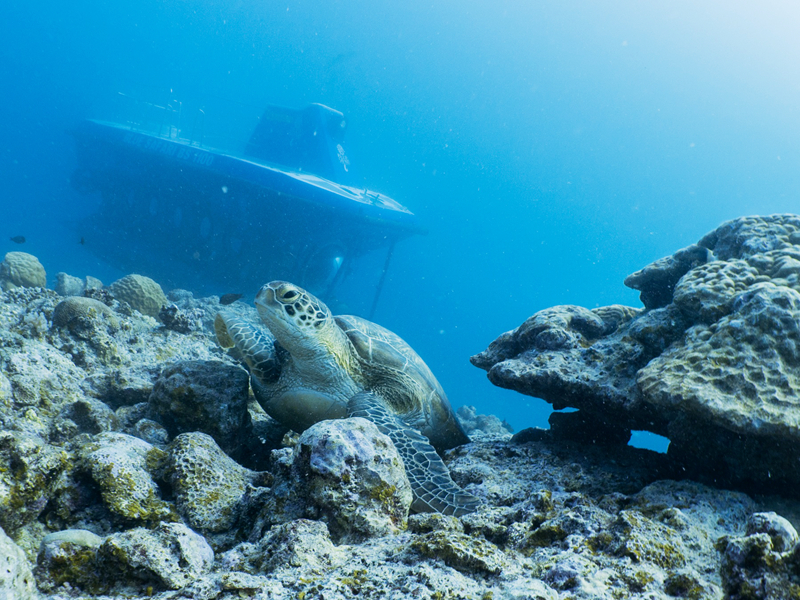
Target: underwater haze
column 550, row 148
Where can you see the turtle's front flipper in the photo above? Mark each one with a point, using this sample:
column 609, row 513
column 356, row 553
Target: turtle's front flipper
column 433, row 488
column 253, row 345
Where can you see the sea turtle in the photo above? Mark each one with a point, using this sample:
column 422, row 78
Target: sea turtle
column 309, row 366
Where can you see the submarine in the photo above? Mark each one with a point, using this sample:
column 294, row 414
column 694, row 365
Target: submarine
column 201, row 211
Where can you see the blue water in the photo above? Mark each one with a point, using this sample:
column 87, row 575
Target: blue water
column 551, row 147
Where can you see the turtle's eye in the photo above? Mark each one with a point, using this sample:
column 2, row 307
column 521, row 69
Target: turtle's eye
column 289, row 295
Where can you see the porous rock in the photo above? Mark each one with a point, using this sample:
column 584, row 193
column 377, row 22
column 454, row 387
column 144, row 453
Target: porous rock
column 460, row 551
column 209, row 486
column 706, row 294
column 28, row 469
column 68, row 285
column 83, row 316
column 16, row 578
column 562, row 355
column 20, row 269
column 346, row 473
column 175, row 319
column 119, row 465
column 764, row 563
column 68, row 556
column 301, row 548
column 483, row 426
column 657, row 281
column 712, row 365
column 171, row 556
column 90, row 416
column 92, row 322
column 206, row 396
column 781, row 532
column 736, row 378
column 142, row 293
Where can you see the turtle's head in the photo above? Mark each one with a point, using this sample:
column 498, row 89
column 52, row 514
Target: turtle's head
column 296, row 318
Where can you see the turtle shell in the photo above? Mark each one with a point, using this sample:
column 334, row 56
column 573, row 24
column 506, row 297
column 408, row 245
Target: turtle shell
column 377, row 345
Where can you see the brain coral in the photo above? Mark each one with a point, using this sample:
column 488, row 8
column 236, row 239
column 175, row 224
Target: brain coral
column 142, row 293
column 742, row 372
column 20, row 269
column 713, row 363
column 706, row 292
column 78, row 313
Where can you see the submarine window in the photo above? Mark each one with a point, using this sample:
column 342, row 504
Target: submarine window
column 322, row 267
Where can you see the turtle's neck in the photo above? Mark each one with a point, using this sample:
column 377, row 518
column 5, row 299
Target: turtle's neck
column 323, row 356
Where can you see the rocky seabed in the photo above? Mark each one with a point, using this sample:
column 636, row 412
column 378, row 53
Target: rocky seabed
column 135, row 463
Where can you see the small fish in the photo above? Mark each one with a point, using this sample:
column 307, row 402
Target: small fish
column 82, row 242
column 18, row 239
column 226, row 299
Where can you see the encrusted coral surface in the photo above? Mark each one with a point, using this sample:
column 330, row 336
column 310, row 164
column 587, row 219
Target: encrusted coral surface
column 20, row 269
column 112, row 494
column 208, row 485
column 142, row 293
column 713, row 365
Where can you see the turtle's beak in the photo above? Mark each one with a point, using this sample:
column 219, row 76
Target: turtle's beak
column 266, row 297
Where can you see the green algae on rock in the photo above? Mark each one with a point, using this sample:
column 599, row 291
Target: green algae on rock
column 209, row 486
column 171, row 555
column 69, row 556
column 120, row 465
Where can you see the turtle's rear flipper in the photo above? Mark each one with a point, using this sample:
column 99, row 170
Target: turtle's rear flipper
column 253, row 345
column 433, row 488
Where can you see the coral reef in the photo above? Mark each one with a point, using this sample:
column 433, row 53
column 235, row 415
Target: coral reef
column 16, row 578
column 346, row 473
column 712, row 363
column 140, row 292
column 209, row 486
column 134, row 462
column 20, row 269
column 207, row 396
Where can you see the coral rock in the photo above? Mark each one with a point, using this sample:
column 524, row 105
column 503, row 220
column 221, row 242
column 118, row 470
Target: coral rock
column 20, row 269
column 763, row 564
column 354, row 478
column 298, row 544
column 142, row 293
column 84, row 316
column 67, row 285
column 346, row 473
column 712, row 365
column 208, row 485
column 461, row 551
column 118, row 464
column 206, row 396
column 28, row 470
column 68, row 556
column 16, row 578
column 656, row 281
column 171, row 555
